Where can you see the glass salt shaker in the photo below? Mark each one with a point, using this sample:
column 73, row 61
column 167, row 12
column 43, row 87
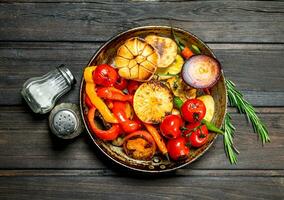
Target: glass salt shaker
column 41, row 93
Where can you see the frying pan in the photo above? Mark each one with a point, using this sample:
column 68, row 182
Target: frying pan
column 159, row 163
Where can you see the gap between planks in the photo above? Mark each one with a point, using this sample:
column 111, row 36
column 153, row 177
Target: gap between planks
column 108, row 172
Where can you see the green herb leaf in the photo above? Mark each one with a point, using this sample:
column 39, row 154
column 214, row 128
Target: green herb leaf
column 236, row 99
column 178, row 42
column 228, row 136
column 195, row 49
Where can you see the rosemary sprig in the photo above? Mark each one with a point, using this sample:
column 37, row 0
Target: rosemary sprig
column 236, row 99
column 228, row 136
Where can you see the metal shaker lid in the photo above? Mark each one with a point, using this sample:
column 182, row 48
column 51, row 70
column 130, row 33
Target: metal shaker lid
column 65, row 121
column 66, row 73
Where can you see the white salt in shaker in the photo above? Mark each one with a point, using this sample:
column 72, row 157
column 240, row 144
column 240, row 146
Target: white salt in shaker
column 41, row 93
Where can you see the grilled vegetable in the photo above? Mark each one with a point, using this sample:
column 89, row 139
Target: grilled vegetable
column 177, row 149
column 139, row 145
column 132, row 87
column 166, row 48
column 198, row 137
column 121, row 83
column 184, row 50
column 105, row 75
column 112, row 93
column 173, row 69
column 158, row 139
column 95, row 100
column 136, row 60
column 180, row 89
column 201, row 71
column 210, row 106
column 186, row 53
column 107, row 135
column 176, row 112
column 171, row 126
column 193, row 110
column 119, row 111
column 152, row 102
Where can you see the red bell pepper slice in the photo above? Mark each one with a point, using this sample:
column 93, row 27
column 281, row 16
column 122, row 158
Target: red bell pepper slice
column 88, row 102
column 113, row 94
column 106, row 135
column 126, row 124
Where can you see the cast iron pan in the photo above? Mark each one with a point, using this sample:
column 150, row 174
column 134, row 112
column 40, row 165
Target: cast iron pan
column 159, row 163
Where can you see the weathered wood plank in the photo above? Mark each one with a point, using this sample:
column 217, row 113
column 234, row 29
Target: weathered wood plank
column 97, row 1
column 251, row 66
column 211, row 21
column 142, row 188
column 109, row 172
column 27, row 143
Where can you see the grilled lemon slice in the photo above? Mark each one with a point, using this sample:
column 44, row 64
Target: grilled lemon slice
column 166, row 47
column 173, row 69
column 136, row 60
column 152, row 102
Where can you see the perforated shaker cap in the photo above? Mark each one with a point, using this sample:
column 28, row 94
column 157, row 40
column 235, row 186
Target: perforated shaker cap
column 65, row 121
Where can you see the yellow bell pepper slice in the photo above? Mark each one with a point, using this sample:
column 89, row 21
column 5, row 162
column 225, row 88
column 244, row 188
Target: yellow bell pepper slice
column 88, row 74
column 97, row 101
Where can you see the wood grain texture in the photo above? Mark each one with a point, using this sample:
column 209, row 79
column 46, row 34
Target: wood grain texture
column 38, row 35
column 211, row 21
column 108, row 172
column 121, row 1
column 143, row 188
column 27, row 143
column 251, row 66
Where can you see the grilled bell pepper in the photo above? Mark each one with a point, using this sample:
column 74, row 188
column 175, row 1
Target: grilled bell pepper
column 113, row 94
column 95, row 100
column 139, row 145
column 107, row 135
column 88, row 102
column 185, row 51
column 119, row 111
column 88, row 74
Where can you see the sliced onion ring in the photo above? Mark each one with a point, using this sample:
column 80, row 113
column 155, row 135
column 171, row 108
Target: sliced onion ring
column 201, row 71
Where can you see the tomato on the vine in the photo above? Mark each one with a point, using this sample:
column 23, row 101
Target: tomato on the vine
column 105, row 75
column 190, row 127
column 193, row 110
column 170, row 126
column 198, row 137
column 177, row 148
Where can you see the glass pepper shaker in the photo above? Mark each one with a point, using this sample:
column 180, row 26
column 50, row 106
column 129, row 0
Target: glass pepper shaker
column 41, row 93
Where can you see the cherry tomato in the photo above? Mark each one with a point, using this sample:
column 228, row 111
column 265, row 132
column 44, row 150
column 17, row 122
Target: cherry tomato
column 170, row 126
column 198, row 137
column 105, row 75
column 193, row 110
column 121, row 83
column 132, row 86
column 189, row 127
column 177, row 148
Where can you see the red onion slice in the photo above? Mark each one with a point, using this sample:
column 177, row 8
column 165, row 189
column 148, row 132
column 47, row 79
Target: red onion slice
column 201, row 71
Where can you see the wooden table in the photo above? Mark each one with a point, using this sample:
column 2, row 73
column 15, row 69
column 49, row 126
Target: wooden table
column 36, row 36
